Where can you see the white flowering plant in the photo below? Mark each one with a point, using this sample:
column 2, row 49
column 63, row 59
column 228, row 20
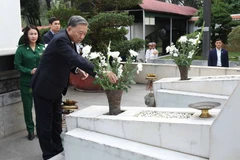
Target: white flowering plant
column 186, row 47
column 111, row 61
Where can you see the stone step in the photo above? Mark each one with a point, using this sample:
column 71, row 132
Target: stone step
column 80, row 144
column 181, row 99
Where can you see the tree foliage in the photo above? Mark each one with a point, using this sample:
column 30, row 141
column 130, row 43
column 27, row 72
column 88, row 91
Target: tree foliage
column 234, row 5
column 193, row 3
column 30, row 9
column 48, row 4
column 106, row 5
column 234, row 39
column 220, row 21
column 102, row 30
column 106, row 22
column 63, row 13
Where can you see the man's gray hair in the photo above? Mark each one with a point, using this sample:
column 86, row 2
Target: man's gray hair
column 76, row 20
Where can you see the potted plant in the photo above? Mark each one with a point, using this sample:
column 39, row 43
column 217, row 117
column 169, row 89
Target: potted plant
column 125, row 72
column 182, row 54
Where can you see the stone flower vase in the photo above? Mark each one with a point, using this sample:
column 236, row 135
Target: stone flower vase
column 183, row 72
column 114, row 101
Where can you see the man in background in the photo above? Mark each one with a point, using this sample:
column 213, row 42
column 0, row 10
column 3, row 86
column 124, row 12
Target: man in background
column 54, row 29
column 218, row 56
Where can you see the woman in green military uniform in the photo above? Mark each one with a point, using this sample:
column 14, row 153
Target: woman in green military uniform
column 26, row 60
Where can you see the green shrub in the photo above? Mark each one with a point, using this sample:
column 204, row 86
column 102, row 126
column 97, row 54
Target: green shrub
column 43, row 31
column 103, row 26
column 123, row 47
column 63, row 14
column 234, row 39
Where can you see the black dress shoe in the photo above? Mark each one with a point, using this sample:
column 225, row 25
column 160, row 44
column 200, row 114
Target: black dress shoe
column 30, row 136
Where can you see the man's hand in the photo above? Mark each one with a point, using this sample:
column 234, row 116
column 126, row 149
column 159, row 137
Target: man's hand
column 82, row 74
column 33, row 70
column 112, row 77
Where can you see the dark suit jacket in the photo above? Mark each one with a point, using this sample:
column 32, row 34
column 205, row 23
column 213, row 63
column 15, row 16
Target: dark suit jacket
column 52, row 75
column 212, row 58
column 47, row 37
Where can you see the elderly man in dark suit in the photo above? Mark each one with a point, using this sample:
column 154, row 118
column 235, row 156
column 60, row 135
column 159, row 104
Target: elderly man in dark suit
column 218, row 56
column 54, row 29
column 50, row 82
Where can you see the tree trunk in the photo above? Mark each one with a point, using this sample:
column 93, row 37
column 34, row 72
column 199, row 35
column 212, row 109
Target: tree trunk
column 48, row 4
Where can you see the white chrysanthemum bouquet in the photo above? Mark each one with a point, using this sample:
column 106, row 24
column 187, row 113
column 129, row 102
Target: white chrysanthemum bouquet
column 186, row 48
column 111, row 61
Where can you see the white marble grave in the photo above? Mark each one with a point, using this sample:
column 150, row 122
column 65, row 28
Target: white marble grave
column 183, row 136
column 187, row 135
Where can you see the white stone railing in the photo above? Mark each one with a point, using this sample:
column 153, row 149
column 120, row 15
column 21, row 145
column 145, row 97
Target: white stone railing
column 171, row 70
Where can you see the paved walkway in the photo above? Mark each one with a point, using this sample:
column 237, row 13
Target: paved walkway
column 17, row 147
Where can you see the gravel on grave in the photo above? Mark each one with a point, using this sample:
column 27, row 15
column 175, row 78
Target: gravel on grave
column 158, row 114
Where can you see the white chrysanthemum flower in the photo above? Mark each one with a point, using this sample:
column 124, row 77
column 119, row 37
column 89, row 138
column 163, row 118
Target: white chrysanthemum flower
column 120, row 70
column 193, row 41
column 183, row 39
column 171, row 49
column 85, row 55
column 86, row 49
column 133, row 53
column 175, row 55
column 119, row 59
column 94, row 55
column 168, row 49
column 190, row 54
column 139, row 67
column 103, row 62
column 114, row 54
